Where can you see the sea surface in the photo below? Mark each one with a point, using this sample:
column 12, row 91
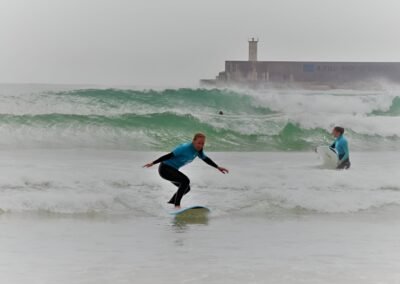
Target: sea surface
column 76, row 205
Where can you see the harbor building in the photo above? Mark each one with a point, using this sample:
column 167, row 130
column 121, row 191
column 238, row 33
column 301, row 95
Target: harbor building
column 254, row 73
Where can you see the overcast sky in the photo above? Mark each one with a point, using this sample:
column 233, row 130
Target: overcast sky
column 178, row 42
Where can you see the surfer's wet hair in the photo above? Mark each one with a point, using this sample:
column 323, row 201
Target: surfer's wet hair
column 339, row 129
column 199, row 135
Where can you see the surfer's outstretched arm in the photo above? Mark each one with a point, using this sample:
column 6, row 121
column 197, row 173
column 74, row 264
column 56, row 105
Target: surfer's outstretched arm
column 210, row 162
column 159, row 160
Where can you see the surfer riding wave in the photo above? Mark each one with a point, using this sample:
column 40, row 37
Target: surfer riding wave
column 180, row 156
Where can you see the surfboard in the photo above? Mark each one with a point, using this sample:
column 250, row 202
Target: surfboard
column 196, row 210
column 328, row 156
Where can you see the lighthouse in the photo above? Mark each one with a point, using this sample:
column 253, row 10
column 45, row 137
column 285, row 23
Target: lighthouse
column 253, row 49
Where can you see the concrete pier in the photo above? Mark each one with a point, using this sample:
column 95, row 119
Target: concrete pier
column 255, row 73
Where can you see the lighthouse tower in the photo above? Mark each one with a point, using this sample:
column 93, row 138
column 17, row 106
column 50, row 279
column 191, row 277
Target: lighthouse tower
column 253, row 49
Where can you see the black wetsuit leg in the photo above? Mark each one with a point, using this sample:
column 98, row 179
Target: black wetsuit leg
column 178, row 179
column 344, row 165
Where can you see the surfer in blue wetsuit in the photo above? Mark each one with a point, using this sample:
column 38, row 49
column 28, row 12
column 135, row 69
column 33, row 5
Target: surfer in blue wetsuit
column 341, row 147
column 180, row 156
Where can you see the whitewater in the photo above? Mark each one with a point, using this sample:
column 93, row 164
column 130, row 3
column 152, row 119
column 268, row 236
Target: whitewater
column 76, row 205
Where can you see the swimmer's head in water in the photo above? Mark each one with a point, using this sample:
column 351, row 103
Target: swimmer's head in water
column 199, row 140
column 337, row 131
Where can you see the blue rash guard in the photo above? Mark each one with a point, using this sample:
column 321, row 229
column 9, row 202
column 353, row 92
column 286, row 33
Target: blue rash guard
column 170, row 164
column 342, row 148
column 184, row 154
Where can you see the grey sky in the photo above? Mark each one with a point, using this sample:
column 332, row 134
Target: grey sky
column 177, row 42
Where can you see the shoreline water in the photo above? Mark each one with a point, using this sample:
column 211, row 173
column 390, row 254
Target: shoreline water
column 97, row 216
column 307, row 249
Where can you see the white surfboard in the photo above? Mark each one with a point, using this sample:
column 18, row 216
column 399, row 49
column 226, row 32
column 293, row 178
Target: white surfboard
column 328, row 156
column 194, row 211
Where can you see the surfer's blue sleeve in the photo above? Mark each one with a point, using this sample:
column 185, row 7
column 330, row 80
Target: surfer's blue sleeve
column 164, row 158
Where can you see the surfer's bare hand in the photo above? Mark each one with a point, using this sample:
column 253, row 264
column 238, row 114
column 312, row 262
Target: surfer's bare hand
column 223, row 170
column 148, row 165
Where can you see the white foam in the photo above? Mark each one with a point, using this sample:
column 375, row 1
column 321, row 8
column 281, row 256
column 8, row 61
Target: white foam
column 113, row 182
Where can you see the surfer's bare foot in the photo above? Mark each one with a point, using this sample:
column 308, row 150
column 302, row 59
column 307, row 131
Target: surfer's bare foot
column 177, row 207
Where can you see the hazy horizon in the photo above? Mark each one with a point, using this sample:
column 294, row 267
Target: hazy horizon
column 176, row 43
